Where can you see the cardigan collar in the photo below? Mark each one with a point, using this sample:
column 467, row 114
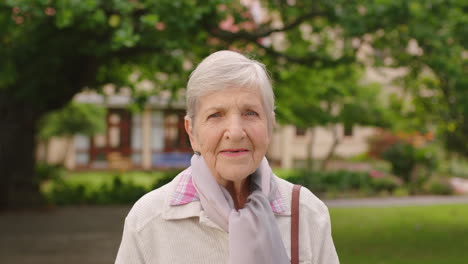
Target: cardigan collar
column 182, row 200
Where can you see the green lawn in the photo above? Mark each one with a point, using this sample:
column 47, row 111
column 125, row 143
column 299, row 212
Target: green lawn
column 389, row 235
column 401, row 235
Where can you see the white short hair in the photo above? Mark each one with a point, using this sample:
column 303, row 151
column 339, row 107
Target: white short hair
column 228, row 69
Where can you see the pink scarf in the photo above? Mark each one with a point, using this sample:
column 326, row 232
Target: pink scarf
column 254, row 236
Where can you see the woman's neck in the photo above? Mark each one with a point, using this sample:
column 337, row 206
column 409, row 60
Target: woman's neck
column 239, row 191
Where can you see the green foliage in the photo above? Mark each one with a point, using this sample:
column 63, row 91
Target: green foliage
column 439, row 186
column 46, row 172
column 102, row 188
column 384, row 184
column 342, row 182
column 165, row 178
column 316, row 60
column 413, row 156
column 116, row 192
column 75, row 118
column 431, row 43
column 405, row 156
column 457, row 167
column 67, row 194
column 402, row 157
column 51, row 50
column 308, row 97
column 401, row 192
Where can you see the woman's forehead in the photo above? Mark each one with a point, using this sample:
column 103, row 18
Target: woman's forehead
column 231, row 97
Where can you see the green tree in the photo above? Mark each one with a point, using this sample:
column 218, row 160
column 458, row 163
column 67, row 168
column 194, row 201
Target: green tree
column 431, row 44
column 426, row 38
column 75, row 118
column 52, row 49
column 309, row 97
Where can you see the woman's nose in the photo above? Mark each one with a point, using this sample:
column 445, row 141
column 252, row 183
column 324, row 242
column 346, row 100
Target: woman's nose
column 235, row 128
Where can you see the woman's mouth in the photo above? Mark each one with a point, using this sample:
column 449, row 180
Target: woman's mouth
column 234, row 152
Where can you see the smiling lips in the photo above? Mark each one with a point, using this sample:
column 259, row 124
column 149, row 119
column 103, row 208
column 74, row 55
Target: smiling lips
column 234, row 152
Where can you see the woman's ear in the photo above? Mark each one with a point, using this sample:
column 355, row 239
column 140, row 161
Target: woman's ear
column 189, row 129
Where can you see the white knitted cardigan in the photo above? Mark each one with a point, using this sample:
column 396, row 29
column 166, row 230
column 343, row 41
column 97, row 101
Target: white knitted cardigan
column 156, row 232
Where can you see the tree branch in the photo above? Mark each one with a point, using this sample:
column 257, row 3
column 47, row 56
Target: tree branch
column 261, row 33
column 134, row 51
column 309, row 59
column 255, row 36
column 291, row 25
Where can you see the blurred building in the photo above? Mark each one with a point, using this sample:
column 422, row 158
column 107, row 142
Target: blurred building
column 156, row 138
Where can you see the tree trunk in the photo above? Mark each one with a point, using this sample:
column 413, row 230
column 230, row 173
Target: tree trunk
column 68, row 146
column 46, row 150
column 19, row 187
column 309, row 147
column 331, row 151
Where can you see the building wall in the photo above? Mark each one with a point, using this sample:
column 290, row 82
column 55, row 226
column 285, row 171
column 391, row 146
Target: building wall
column 56, row 151
column 147, row 141
column 286, row 147
column 148, row 132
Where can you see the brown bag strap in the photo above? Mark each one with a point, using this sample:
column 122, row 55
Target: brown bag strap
column 295, row 224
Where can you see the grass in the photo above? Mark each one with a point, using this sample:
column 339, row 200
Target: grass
column 401, row 235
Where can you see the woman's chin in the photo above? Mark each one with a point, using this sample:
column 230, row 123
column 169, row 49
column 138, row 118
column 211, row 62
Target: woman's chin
column 235, row 173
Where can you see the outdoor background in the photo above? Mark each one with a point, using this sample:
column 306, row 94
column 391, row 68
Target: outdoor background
column 390, row 76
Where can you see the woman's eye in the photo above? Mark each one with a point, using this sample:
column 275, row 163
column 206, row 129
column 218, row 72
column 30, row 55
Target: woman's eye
column 214, row 115
column 251, row 113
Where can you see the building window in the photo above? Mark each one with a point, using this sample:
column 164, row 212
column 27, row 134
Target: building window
column 175, row 137
column 115, row 140
column 137, row 139
column 82, row 150
column 157, row 131
column 348, row 130
column 301, row 131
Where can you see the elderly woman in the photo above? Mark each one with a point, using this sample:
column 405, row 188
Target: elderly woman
column 228, row 206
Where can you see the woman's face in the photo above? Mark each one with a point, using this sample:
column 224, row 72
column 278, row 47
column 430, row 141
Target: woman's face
column 230, row 131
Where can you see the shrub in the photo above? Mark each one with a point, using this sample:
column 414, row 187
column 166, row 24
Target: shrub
column 166, row 177
column 320, row 182
column 419, row 176
column 438, row 186
column 387, row 183
column 401, row 191
column 343, row 183
column 64, row 193
column 381, row 142
column 405, row 157
column 115, row 192
column 405, row 152
column 45, row 172
column 401, row 156
column 120, row 189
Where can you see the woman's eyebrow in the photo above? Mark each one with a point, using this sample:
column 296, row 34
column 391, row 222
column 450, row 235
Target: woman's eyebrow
column 213, row 109
column 250, row 106
column 218, row 108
